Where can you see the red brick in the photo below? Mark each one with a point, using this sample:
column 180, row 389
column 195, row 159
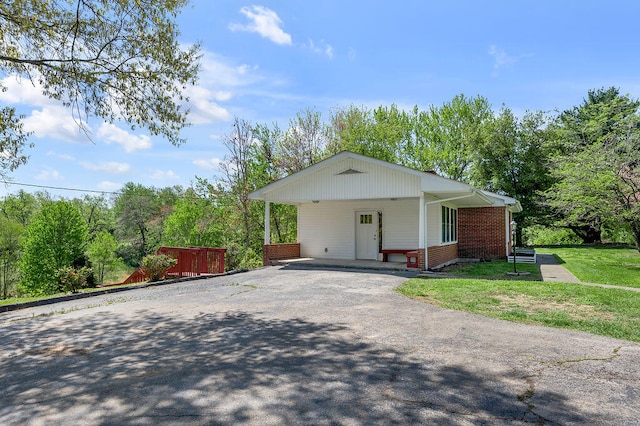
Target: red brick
column 442, row 254
column 482, row 233
column 279, row 251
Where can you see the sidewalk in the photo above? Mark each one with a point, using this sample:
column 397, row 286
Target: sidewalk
column 551, row 270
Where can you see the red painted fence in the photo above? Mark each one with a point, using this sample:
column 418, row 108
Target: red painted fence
column 192, row 261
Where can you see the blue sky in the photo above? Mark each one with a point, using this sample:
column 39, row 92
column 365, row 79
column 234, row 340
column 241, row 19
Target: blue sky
column 265, row 61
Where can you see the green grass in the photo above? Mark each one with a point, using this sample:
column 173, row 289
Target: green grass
column 603, row 264
column 604, row 311
column 496, row 270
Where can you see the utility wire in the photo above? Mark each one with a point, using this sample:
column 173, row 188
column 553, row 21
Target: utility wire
column 60, row 188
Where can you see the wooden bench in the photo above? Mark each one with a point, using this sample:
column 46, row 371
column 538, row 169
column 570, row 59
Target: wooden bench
column 412, row 256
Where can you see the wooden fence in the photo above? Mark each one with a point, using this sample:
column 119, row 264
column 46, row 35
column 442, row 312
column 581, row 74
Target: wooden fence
column 192, row 261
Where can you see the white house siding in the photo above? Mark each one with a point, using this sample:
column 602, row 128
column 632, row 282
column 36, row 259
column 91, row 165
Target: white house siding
column 331, row 225
column 374, row 181
column 434, row 224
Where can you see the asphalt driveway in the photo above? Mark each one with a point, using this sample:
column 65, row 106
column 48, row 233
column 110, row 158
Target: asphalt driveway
column 286, row 346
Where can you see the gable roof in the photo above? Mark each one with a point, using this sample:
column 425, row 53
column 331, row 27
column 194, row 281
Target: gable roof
column 406, row 182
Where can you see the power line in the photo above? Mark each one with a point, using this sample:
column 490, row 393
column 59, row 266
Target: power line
column 61, row 188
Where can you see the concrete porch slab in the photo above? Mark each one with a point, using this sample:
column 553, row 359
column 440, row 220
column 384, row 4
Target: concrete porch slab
column 347, row 264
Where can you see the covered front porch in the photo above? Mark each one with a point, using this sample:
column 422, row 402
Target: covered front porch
column 355, row 208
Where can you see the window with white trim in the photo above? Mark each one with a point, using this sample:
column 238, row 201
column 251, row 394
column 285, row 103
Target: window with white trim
column 449, row 225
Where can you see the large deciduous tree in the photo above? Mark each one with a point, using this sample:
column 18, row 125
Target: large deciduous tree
column 446, row 136
column 140, row 213
column 194, row 222
column 102, row 254
column 511, row 159
column 594, row 164
column 10, row 233
column 55, row 238
column 118, row 60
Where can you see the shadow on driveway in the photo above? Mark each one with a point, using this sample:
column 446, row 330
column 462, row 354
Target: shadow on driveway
column 230, row 368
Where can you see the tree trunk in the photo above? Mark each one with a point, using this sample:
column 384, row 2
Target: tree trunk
column 635, row 231
column 589, row 234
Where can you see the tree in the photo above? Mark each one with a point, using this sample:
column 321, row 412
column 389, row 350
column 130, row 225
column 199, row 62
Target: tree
column 237, row 181
column 10, row 233
column 593, row 149
column 96, row 211
column 383, row 133
column 446, row 136
column 118, row 60
column 511, row 159
column 138, row 222
column 55, row 238
column 102, row 254
column 303, row 144
column 194, row 222
column 19, row 207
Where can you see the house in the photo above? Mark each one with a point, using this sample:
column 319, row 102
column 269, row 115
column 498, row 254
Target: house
column 355, row 207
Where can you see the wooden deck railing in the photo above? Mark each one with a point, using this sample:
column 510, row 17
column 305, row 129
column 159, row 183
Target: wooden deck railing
column 192, row 261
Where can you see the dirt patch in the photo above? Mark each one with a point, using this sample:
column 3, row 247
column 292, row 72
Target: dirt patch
column 532, row 305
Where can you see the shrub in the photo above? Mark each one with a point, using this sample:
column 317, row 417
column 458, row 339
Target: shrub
column 156, row 266
column 544, row 236
column 72, row 280
column 237, row 257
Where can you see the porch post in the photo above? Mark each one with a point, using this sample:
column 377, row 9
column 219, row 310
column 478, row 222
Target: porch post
column 423, row 262
column 421, row 223
column 267, row 222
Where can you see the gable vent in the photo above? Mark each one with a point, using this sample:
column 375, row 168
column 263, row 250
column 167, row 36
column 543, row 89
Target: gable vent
column 349, row 172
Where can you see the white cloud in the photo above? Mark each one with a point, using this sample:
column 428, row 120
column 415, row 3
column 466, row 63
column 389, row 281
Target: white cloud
column 54, row 122
column 131, row 143
column 501, row 59
column 265, row 22
column 202, row 109
column 49, row 175
column 105, row 185
column 107, row 166
column 49, row 119
column 62, row 156
column 23, row 91
column 208, row 163
column 220, row 74
column 322, row 48
column 163, row 175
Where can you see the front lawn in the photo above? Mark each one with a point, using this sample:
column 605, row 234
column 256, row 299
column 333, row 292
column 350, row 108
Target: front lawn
column 604, row 311
column 495, row 270
column 602, row 264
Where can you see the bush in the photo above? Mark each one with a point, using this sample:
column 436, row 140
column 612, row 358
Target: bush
column 237, row 257
column 156, row 266
column 71, row 279
column 543, row 236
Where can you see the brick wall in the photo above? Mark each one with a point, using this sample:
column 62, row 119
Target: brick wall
column 482, row 233
column 421, row 261
column 442, row 254
column 279, row 251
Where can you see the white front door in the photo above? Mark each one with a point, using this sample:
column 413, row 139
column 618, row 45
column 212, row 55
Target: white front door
column 367, row 235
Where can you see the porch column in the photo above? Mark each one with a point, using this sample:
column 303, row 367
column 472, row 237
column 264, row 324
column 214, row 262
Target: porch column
column 267, row 222
column 423, row 261
column 421, row 222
